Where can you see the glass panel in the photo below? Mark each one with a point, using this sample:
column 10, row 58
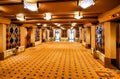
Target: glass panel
column 57, row 35
column 71, row 37
column 100, row 38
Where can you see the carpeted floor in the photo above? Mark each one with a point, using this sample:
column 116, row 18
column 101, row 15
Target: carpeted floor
column 52, row 60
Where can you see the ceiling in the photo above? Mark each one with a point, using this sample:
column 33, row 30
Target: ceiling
column 62, row 11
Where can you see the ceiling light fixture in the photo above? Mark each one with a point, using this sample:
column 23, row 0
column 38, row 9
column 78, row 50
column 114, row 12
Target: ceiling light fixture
column 38, row 24
column 20, row 17
column 48, row 16
column 71, row 28
column 78, row 15
column 32, row 6
column 63, row 28
column 59, row 25
column 44, row 25
column 56, row 23
column 86, row 3
column 73, row 24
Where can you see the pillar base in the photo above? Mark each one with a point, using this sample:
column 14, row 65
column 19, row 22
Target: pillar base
column 2, row 56
column 109, row 62
column 88, row 46
column 80, row 41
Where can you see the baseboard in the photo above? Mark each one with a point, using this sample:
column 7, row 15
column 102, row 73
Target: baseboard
column 37, row 43
column 113, row 61
column 101, row 56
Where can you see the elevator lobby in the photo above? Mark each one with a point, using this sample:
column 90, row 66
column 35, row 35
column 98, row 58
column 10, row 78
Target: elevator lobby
column 59, row 39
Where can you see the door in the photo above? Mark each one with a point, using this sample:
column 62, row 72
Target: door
column 71, row 35
column 28, row 37
column 57, row 35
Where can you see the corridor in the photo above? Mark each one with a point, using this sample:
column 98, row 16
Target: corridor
column 55, row 60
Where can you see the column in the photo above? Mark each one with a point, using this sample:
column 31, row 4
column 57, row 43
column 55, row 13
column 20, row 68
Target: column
column 41, row 35
column 33, row 36
column 23, row 34
column 48, row 34
column 88, row 37
column 80, row 35
column 93, row 37
column 60, row 33
column 110, row 43
column 2, row 37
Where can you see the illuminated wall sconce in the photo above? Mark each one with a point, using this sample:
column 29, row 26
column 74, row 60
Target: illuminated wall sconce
column 48, row 16
column 32, row 6
column 86, row 3
column 78, row 15
column 20, row 17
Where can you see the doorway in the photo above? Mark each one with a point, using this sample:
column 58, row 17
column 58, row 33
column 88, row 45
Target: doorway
column 57, row 35
column 71, row 35
column 28, row 37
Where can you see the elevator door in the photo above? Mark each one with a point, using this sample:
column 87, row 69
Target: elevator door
column 71, row 36
column 118, row 46
column 57, row 35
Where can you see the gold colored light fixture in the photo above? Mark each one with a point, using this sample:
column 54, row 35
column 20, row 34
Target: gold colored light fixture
column 86, row 3
column 78, row 15
column 20, row 17
column 48, row 16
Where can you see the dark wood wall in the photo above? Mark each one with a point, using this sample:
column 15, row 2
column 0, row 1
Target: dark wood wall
column 118, row 46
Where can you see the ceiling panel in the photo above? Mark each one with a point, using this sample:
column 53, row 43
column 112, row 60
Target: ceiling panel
column 62, row 10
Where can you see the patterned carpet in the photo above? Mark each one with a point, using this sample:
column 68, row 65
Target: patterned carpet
column 53, row 60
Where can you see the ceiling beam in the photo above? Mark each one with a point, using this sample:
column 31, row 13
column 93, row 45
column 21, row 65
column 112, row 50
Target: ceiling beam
column 57, row 21
column 3, row 3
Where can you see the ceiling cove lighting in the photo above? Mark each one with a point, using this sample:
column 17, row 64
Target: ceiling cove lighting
column 86, row 3
column 78, row 15
column 48, row 16
column 20, row 17
column 32, row 6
